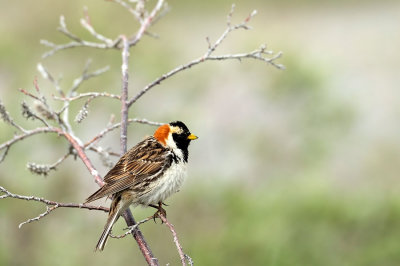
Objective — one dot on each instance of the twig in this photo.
(7, 118)
(42, 169)
(137, 234)
(28, 113)
(85, 76)
(257, 54)
(54, 204)
(117, 125)
(182, 255)
(46, 75)
(27, 133)
(86, 24)
(82, 155)
(131, 10)
(88, 94)
(124, 94)
(146, 23)
(131, 228)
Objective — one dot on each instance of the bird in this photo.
(147, 174)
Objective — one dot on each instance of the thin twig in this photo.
(117, 125)
(54, 204)
(27, 133)
(28, 113)
(88, 94)
(257, 54)
(182, 255)
(82, 155)
(46, 75)
(130, 9)
(5, 116)
(146, 23)
(85, 76)
(43, 169)
(131, 228)
(86, 24)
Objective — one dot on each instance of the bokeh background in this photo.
(294, 167)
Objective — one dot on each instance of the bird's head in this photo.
(174, 135)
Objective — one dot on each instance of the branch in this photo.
(258, 54)
(124, 94)
(130, 221)
(148, 21)
(27, 133)
(54, 205)
(182, 255)
(88, 94)
(85, 76)
(105, 43)
(78, 42)
(117, 125)
(82, 155)
(43, 169)
(131, 228)
(136, 14)
(5, 116)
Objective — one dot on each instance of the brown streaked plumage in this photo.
(147, 174)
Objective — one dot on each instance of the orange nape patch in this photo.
(162, 133)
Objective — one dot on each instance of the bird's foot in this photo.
(160, 211)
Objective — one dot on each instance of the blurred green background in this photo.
(294, 167)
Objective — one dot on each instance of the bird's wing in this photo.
(147, 159)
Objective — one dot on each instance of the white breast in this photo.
(166, 185)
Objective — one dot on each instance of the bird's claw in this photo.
(160, 211)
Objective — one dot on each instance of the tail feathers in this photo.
(97, 195)
(112, 218)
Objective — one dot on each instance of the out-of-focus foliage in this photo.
(294, 167)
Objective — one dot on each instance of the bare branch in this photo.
(40, 216)
(86, 24)
(132, 228)
(5, 116)
(254, 55)
(230, 14)
(83, 112)
(147, 22)
(117, 125)
(27, 133)
(85, 76)
(257, 54)
(3, 156)
(130, 9)
(124, 94)
(82, 155)
(105, 156)
(182, 255)
(28, 113)
(43, 169)
(46, 75)
(88, 94)
(69, 45)
(54, 205)
(63, 29)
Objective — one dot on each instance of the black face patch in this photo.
(181, 139)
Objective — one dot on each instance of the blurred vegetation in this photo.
(294, 167)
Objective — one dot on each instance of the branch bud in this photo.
(39, 169)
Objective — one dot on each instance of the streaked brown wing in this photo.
(148, 158)
(129, 180)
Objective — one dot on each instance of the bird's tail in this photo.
(115, 212)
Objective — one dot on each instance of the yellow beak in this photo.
(192, 137)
